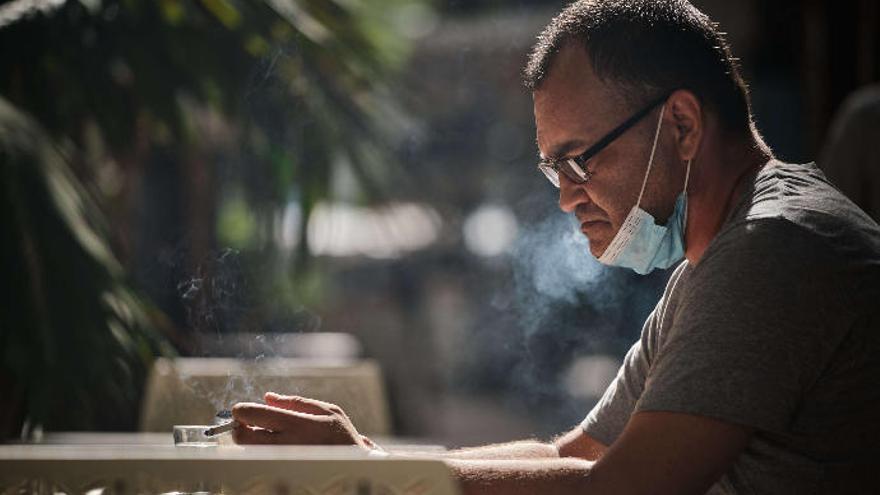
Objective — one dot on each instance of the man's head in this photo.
(597, 63)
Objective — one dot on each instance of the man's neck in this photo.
(718, 187)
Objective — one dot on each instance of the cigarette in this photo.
(225, 427)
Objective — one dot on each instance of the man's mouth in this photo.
(590, 225)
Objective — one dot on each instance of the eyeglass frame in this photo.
(578, 164)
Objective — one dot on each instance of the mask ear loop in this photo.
(651, 159)
(687, 175)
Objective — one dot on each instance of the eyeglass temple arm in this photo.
(611, 136)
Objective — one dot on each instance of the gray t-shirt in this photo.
(777, 328)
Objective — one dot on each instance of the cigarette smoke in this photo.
(561, 304)
(230, 315)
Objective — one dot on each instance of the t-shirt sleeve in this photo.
(606, 420)
(609, 416)
(752, 330)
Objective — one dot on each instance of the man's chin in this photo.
(597, 247)
(598, 236)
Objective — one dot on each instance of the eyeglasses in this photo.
(575, 168)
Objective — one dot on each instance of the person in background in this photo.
(851, 157)
(757, 372)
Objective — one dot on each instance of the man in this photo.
(758, 370)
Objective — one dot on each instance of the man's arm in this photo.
(669, 453)
(559, 476)
(300, 420)
(659, 453)
(575, 443)
(526, 467)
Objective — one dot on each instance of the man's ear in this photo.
(687, 114)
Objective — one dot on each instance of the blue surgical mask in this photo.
(641, 244)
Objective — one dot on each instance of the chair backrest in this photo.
(193, 390)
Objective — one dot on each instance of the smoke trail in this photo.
(552, 263)
(558, 286)
(217, 295)
(566, 304)
(232, 313)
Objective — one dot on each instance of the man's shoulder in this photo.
(792, 211)
(764, 242)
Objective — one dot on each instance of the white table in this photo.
(149, 463)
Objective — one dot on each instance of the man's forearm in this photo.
(512, 477)
(575, 443)
(524, 467)
(526, 449)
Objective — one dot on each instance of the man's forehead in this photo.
(571, 104)
(565, 125)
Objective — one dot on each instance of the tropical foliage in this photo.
(285, 91)
(76, 340)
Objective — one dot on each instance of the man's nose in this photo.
(570, 194)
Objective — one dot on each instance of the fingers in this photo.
(301, 404)
(271, 418)
(263, 424)
(244, 434)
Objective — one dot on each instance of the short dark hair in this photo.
(646, 48)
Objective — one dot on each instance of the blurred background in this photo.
(332, 180)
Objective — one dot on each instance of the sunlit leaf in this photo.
(224, 11)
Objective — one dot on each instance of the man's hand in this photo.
(289, 419)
